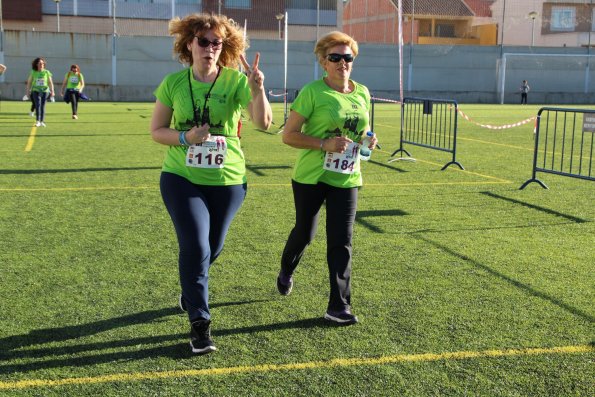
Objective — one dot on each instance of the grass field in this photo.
(464, 284)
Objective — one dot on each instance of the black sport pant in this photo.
(73, 98)
(341, 206)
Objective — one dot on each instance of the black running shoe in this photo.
(200, 337)
(284, 283)
(343, 317)
(182, 303)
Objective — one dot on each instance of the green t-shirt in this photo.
(329, 113)
(229, 94)
(40, 80)
(73, 80)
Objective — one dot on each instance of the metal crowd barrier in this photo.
(564, 144)
(429, 123)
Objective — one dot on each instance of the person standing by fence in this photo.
(327, 121)
(524, 91)
(203, 179)
(39, 85)
(74, 82)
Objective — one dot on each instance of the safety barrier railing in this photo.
(564, 144)
(429, 123)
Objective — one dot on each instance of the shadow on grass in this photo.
(68, 170)
(536, 207)
(524, 287)
(360, 215)
(15, 347)
(385, 165)
(256, 169)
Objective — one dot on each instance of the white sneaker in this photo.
(38, 124)
(74, 116)
(32, 114)
(43, 124)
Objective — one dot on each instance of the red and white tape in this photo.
(385, 100)
(497, 127)
(282, 94)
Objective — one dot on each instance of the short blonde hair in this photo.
(185, 29)
(332, 39)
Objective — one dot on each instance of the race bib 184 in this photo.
(343, 163)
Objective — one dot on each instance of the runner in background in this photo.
(40, 87)
(74, 82)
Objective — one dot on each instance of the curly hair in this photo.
(35, 63)
(332, 39)
(186, 28)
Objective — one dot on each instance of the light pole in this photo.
(1, 29)
(317, 29)
(1, 41)
(280, 18)
(58, 13)
(532, 15)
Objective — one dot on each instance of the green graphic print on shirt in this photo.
(329, 113)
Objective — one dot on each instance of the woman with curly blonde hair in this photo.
(203, 179)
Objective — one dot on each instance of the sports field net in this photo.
(471, 22)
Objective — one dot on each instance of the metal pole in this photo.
(502, 60)
(1, 23)
(317, 27)
(502, 29)
(410, 71)
(58, 14)
(280, 18)
(219, 9)
(114, 38)
(1, 41)
(588, 71)
(1, 30)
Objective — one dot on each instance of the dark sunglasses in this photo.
(204, 42)
(337, 57)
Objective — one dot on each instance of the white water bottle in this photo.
(364, 151)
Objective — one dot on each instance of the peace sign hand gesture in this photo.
(255, 76)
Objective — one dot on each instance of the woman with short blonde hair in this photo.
(327, 123)
(333, 39)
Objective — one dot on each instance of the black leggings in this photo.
(73, 98)
(341, 206)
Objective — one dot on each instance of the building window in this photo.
(563, 19)
(445, 30)
(244, 4)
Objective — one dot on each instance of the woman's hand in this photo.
(373, 142)
(337, 144)
(259, 107)
(198, 134)
(255, 76)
